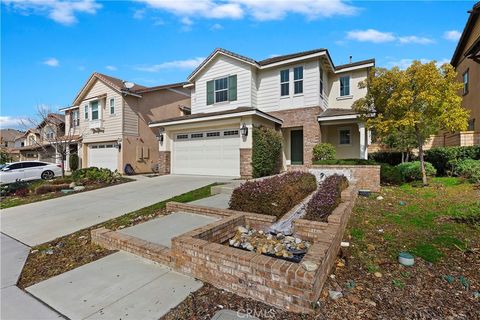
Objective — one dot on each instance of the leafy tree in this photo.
(400, 139)
(4, 157)
(423, 98)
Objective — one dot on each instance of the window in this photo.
(465, 82)
(196, 135)
(344, 86)
(112, 106)
(15, 166)
(33, 164)
(213, 134)
(344, 135)
(86, 112)
(298, 80)
(321, 82)
(284, 83)
(230, 133)
(182, 136)
(94, 106)
(75, 119)
(48, 133)
(31, 140)
(221, 90)
(471, 125)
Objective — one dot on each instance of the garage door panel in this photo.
(207, 156)
(103, 156)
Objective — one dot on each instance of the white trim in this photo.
(333, 118)
(344, 97)
(130, 93)
(360, 66)
(68, 108)
(293, 60)
(179, 92)
(206, 62)
(217, 117)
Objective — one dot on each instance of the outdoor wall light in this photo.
(160, 134)
(244, 130)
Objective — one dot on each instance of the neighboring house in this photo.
(8, 138)
(110, 117)
(303, 94)
(466, 60)
(41, 143)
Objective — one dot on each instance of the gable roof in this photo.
(273, 60)
(10, 134)
(162, 87)
(472, 19)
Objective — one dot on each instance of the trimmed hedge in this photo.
(324, 151)
(266, 151)
(391, 157)
(327, 198)
(47, 188)
(390, 174)
(468, 169)
(275, 195)
(345, 162)
(411, 171)
(94, 174)
(443, 158)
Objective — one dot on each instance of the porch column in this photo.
(67, 160)
(58, 156)
(363, 143)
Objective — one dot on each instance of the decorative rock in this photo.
(72, 185)
(34, 251)
(79, 188)
(344, 244)
(353, 299)
(334, 295)
(309, 265)
(406, 259)
(402, 203)
(377, 274)
(66, 191)
(476, 294)
(242, 229)
(49, 251)
(379, 198)
(249, 247)
(60, 245)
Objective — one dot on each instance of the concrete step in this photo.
(226, 188)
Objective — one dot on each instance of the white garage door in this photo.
(103, 155)
(207, 153)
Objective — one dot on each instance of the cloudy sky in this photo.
(50, 47)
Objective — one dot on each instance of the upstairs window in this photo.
(321, 82)
(471, 125)
(344, 86)
(298, 80)
(94, 107)
(284, 83)
(465, 82)
(86, 112)
(222, 89)
(48, 133)
(75, 119)
(112, 106)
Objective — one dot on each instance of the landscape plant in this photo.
(443, 158)
(411, 171)
(95, 175)
(327, 198)
(266, 151)
(73, 161)
(423, 99)
(324, 151)
(274, 195)
(468, 169)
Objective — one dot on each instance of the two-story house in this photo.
(110, 118)
(8, 143)
(304, 95)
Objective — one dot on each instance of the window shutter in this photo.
(232, 88)
(146, 152)
(210, 92)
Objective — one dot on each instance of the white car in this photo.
(29, 170)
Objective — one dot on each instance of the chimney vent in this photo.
(350, 59)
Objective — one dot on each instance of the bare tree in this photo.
(55, 136)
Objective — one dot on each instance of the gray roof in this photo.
(335, 112)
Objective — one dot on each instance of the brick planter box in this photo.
(202, 253)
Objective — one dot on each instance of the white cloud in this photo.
(216, 27)
(13, 122)
(261, 10)
(177, 64)
(60, 11)
(376, 36)
(139, 14)
(452, 35)
(370, 35)
(415, 39)
(405, 63)
(52, 62)
(111, 68)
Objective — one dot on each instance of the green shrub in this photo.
(444, 158)
(324, 151)
(469, 169)
(47, 188)
(326, 198)
(266, 151)
(94, 174)
(391, 157)
(411, 171)
(13, 187)
(73, 160)
(345, 162)
(390, 174)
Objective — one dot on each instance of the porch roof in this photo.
(198, 117)
(332, 114)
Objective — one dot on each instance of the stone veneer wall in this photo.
(246, 169)
(305, 118)
(164, 162)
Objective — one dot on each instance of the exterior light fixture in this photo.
(244, 130)
(160, 134)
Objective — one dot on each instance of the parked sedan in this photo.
(29, 170)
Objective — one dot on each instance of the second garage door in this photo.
(215, 152)
(103, 155)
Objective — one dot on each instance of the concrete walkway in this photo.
(220, 201)
(40, 222)
(15, 303)
(119, 286)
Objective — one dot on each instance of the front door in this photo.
(296, 146)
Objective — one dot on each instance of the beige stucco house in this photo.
(110, 116)
(305, 95)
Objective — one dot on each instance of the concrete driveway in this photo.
(40, 222)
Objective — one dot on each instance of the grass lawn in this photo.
(71, 251)
(439, 224)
